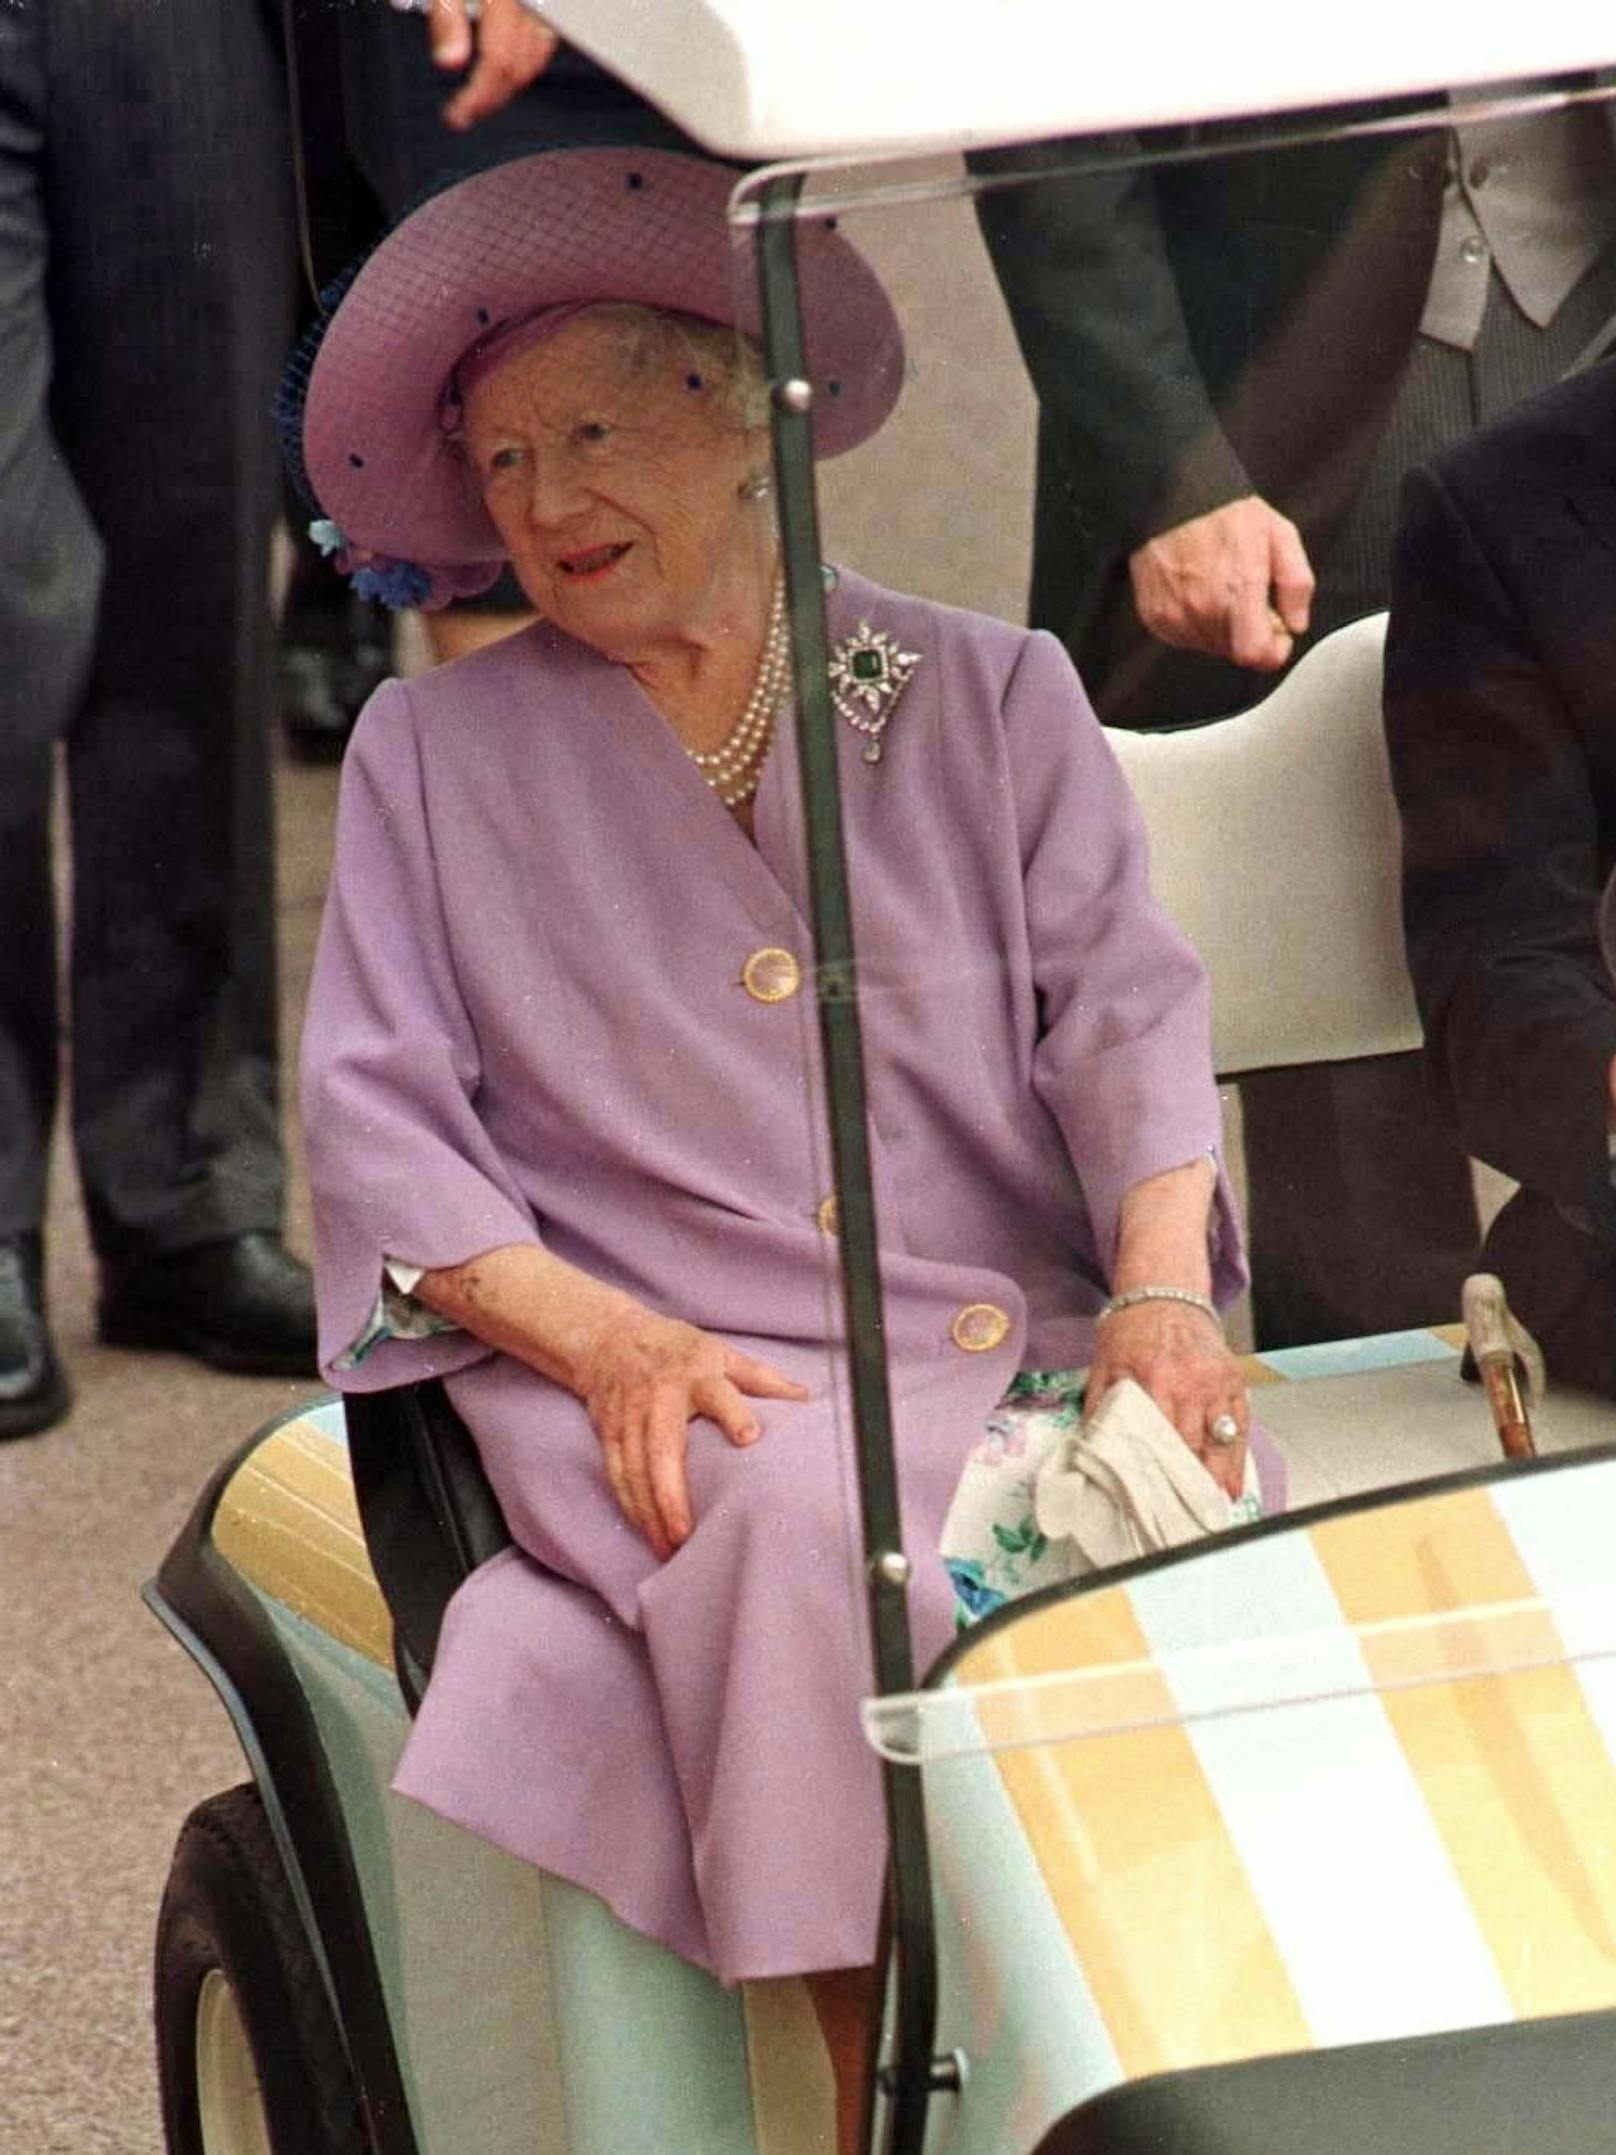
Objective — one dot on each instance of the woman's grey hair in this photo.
(726, 361)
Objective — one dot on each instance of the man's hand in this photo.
(1235, 584)
(506, 49)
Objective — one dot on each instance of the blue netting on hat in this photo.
(382, 578)
(292, 391)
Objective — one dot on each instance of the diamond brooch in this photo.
(868, 673)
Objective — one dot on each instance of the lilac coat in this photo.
(529, 1022)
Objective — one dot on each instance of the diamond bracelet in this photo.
(1134, 1295)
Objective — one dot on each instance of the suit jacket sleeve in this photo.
(1501, 875)
(1095, 305)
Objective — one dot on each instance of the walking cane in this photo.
(1505, 1353)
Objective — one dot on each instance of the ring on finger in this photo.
(1223, 1431)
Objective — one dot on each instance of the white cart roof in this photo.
(768, 79)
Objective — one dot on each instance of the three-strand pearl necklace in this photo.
(735, 766)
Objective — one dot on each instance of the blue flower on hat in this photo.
(397, 584)
(382, 577)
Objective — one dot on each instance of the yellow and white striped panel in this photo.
(288, 1522)
(1374, 1864)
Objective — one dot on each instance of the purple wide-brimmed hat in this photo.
(564, 228)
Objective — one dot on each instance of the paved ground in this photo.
(107, 1733)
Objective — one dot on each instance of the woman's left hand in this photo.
(1177, 1354)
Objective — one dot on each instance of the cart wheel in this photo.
(248, 2055)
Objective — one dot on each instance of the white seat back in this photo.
(1275, 847)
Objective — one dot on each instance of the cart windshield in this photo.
(1199, 404)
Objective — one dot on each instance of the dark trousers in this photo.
(146, 265)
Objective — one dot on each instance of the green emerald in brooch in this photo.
(868, 673)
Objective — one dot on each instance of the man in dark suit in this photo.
(1236, 357)
(146, 265)
(1501, 722)
(1219, 334)
(1254, 331)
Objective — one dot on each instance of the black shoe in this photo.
(329, 665)
(317, 720)
(245, 1305)
(33, 1391)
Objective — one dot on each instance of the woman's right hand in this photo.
(643, 1380)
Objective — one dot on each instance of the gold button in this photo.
(771, 976)
(980, 1327)
(826, 1213)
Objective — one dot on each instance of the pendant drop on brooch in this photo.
(868, 673)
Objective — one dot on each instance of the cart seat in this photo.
(1275, 846)
(428, 1512)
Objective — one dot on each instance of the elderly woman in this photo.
(560, 1061)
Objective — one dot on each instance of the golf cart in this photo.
(1373, 1889)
